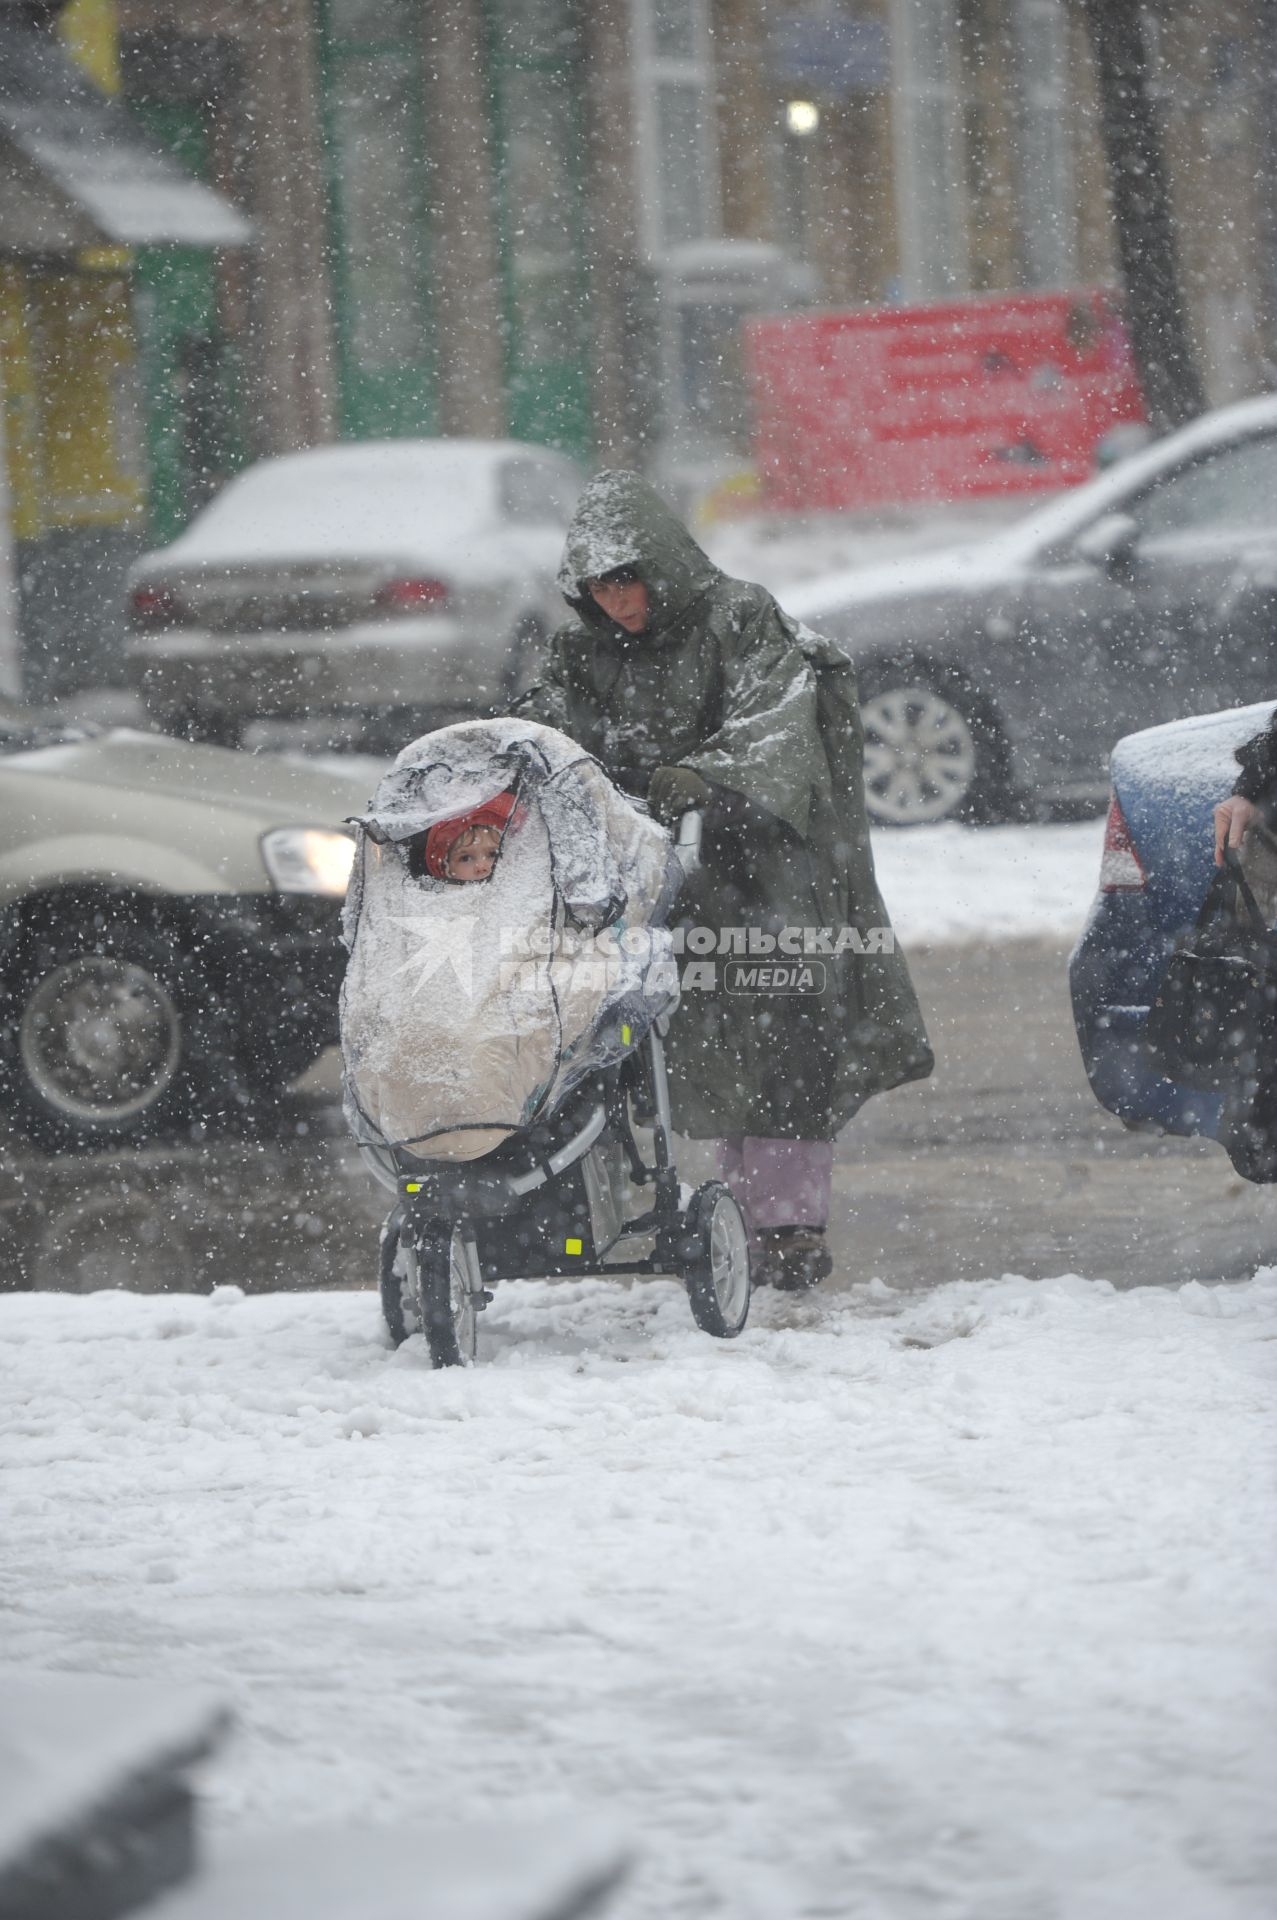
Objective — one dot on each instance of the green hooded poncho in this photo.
(723, 681)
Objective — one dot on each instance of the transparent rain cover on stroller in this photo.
(471, 1011)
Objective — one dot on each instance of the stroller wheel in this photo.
(450, 1292)
(400, 1305)
(716, 1265)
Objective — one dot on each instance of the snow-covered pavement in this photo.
(940, 1607)
(949, 883)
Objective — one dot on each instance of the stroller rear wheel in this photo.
(400, 1304)
(716, 1261)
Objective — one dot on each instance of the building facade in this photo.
(547, 218)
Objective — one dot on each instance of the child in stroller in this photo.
(499, 1035)
(465, 848)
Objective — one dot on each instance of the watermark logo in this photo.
(436, 948)
(739, 960)
(774, 976)
(658, 961)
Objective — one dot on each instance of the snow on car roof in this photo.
(386, 498)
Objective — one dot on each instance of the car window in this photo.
(1231, 491)
(539, 493)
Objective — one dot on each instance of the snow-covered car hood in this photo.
(267, 790)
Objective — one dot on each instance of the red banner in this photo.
(998, 394)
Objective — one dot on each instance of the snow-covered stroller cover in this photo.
(469, 1012)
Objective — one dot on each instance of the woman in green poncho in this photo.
(695, 690)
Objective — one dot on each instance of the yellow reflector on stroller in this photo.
(572, 1246)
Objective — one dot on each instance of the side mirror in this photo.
(1109, 542)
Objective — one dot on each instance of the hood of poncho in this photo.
(621, 521)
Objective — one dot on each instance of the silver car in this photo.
(1001, 674)
(168, 926)
(369, 582)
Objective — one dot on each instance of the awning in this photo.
(81, 170)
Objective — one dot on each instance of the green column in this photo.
(372, 99)
(535, 83)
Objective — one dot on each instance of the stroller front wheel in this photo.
(449, 1292)
(716, 1267)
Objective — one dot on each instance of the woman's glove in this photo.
(676, 790)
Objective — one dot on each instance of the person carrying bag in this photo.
(1213, 1022)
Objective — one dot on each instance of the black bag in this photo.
(1214, 1018)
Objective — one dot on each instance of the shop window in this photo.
(674, 108)
(675, 30)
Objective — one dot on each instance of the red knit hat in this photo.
(501, 813)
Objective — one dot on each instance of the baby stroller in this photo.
(502, 1041)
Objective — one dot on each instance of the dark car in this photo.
(168, 925)
(1157, 864)
(1005, 670)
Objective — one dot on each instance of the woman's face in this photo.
(623, 600)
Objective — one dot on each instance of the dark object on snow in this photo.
(95, 1808)
(1214, 1018)
(765, 711)
(96, 1822)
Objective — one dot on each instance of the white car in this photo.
(383, 582)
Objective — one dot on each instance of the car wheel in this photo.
(97, 1048)
(933, 748)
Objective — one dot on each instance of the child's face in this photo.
(473, 854)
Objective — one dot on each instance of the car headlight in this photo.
(308, 859)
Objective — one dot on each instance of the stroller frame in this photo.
(554, 1201)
